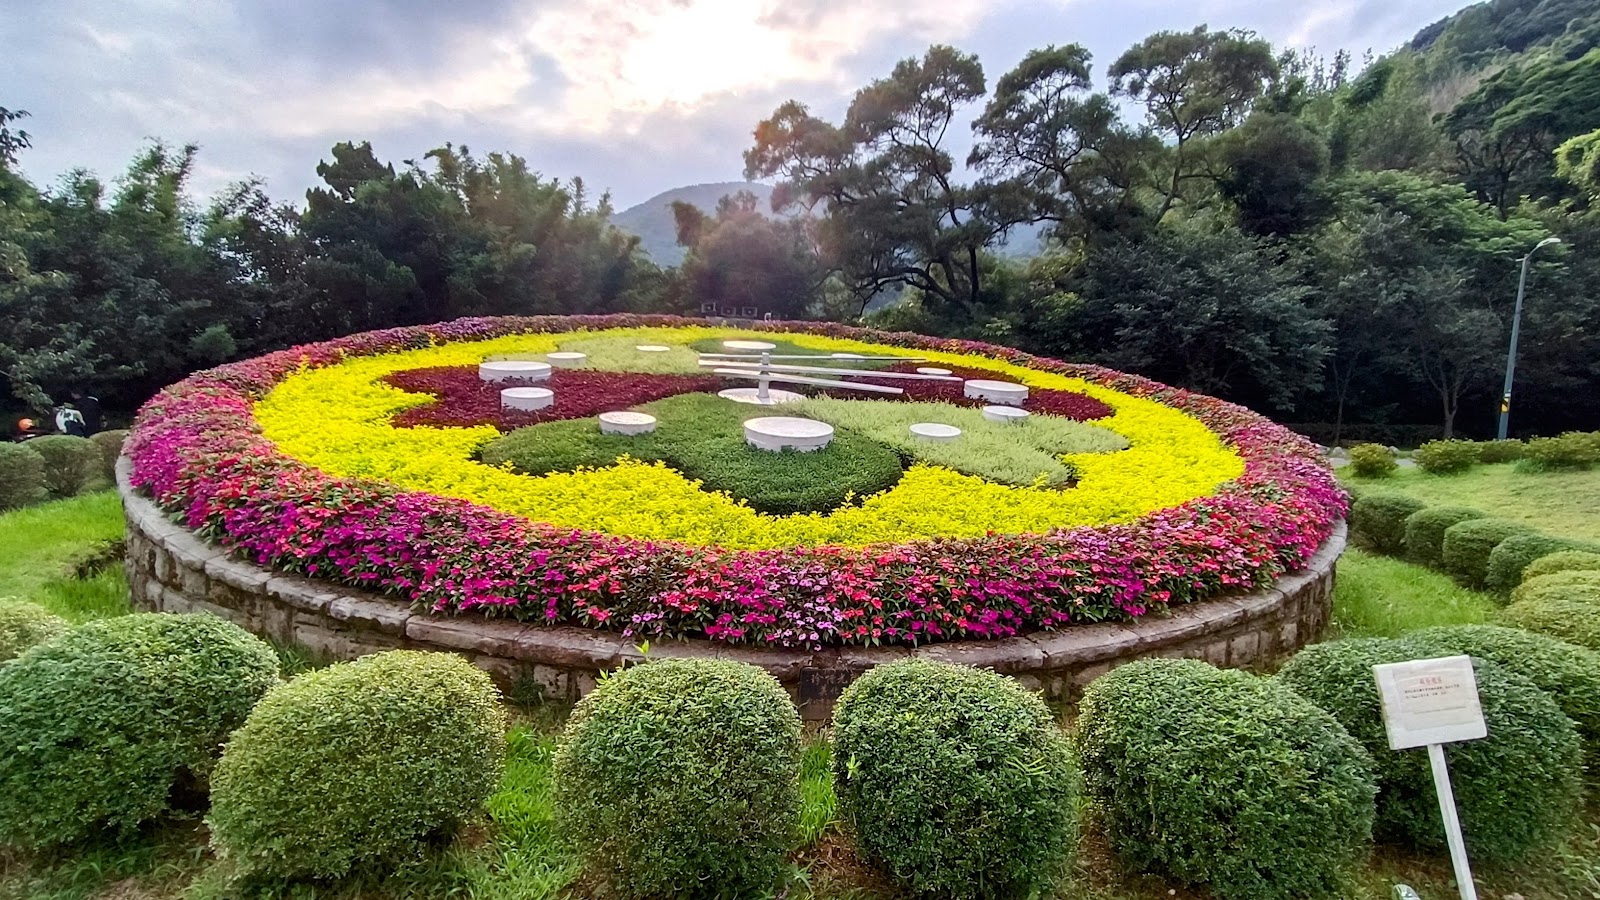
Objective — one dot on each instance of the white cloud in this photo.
(625, 59)
(638, 95)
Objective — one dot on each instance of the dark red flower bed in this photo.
(465, 399)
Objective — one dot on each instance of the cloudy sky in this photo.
(634, 95)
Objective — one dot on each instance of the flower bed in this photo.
(1209, 499)
(464, 399)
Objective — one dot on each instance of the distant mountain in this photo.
(658, 232)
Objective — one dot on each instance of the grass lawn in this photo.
(516, 855)
(1379, 596)
(38, 544)
(1558, 503)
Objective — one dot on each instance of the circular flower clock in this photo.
(796, 485)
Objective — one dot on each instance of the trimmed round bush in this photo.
(1425, 532)
(1501, 451)
(104, 724)
(109, 444)
(1567, 672)
(1372, 461)
(1379, 520)
(69, 462)
(21, 476)
(1562, 561)
(24, 625)
(1446, 457)
(680, 778)
(1512, 556)
(1564, 605)
(1467, 546)
(1225, 780)
(1516, 790)
(955, 782)
(355, 765)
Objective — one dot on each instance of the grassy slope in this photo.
(518, 856)
(1558, 503)
(1379, 596)
(36, 545)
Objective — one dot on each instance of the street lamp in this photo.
(1516, 322)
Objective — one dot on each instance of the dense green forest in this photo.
(1333, 242)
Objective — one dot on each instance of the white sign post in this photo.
(1432, 702)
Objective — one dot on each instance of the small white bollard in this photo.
(513, 369)
(933, 431)
(932, 370)
(652, 348)
(566, 359)
(1002, 392)
(1007, 415)
(748, 346)
(526, 399)
(787, 433)
(627, 423)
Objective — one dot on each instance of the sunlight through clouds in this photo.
(645, 55)
(635, 95)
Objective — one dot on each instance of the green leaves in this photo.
(681, 778)
(102, 723)
(1516, 790)
(1222, 779)
(955, 781)
(400, 746)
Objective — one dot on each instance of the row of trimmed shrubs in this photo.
(680, 778)
(955, 782)
(56, 466)
(1574, 450)
(1552, 584)
(117, 723)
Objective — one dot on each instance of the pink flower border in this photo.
(198, 451)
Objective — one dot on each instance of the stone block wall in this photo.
(171, 570)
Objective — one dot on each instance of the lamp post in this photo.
(1516, 324)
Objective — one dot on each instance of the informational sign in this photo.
(1433, 702)
(1430, 701)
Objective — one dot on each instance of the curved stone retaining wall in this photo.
(171, 570)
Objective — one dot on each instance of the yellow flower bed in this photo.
(337, 419)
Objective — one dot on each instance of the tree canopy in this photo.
(1333, 241)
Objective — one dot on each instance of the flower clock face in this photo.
(387, 461)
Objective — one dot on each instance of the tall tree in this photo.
(1060, 150)
(1193, 85)
(740, 258)
(1438, 269)
(1507, 129)
(12, 141)
(1384, 120)
(1208, 307)
(891, 209)
(115, 292)
(457, 235)
(1272, 170)
(1578, 161)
